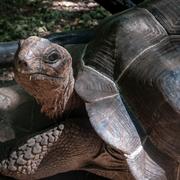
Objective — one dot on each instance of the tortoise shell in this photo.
(137, 54)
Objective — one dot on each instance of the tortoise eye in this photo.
(53, 58)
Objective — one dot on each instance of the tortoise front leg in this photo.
(65, 147)
(42, 151)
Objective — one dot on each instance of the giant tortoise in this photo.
(126, 84)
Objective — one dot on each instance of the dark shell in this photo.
(139, 50)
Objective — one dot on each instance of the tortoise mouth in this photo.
(43, 76)
(37, 76)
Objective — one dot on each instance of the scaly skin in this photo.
(45, 71)
(76, 146)
(72, 146)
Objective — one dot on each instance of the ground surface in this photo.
(23, 18)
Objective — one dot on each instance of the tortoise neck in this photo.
(60, 98)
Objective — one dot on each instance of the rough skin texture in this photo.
(48, 67)
(139, 50)
(44, 69)
(72, 145)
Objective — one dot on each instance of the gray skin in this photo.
(139, 51)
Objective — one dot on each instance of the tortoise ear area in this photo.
(92, 86)
(169, 85)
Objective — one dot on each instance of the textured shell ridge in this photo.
(127, 84)
(144, 65)
(111, 120)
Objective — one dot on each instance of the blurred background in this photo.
(23, 18)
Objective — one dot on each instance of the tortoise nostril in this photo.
(22, 64)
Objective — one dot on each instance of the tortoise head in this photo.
(44, 69)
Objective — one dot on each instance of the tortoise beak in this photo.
(19, 63)
(24, 59)
(20, 43)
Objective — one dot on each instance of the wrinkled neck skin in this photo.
(56, 95)
(76, 146)
(57, 98)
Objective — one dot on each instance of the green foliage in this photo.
(23, 18)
